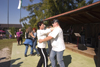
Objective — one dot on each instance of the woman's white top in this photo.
(41, 34)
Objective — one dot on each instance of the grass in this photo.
(7, 43)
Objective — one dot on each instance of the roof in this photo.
(85, 14)
(10, 25)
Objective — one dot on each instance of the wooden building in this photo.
(6, 26)
(87, 16)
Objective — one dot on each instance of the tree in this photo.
(48, 8)
(34, 14)
(12, 30)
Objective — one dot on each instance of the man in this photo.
(70, 30)
(57, 42)
(82, 33)
(19, 36)
(21, 33)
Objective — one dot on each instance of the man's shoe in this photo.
(38, 54)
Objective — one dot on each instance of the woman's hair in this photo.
(29, 29)
(39, 24)
(34, 29)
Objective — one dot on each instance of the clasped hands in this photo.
(40, 40)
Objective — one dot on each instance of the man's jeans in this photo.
(59, 58)
(34, 46)
(27, 49)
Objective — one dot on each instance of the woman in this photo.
(29, 41)
(35, 41)
(41, 34)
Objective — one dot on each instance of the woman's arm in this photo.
(32, 34)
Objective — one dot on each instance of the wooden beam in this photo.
(92, 15)
(86, 18)
(76, 20)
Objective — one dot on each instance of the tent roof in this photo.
(85, 14)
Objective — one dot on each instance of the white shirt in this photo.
(57, 42)
(25, 35)
(41, 34)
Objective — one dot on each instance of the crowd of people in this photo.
(51, 36)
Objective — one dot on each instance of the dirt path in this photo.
(5, 57)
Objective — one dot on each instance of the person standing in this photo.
(10, 36)
(20, 38)
(28, 41)
(35, 41)
(41, 34)
(82, 33)
(70, 31)
(57, 42)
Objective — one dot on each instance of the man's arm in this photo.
(46, 31)
(45, 39)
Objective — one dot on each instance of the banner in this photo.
(20, 4)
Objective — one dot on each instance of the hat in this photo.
(55, 20)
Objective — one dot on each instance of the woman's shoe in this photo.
(32, 54)
(25, 55)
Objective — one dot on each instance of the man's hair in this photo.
(55, 20)
(20, 29)
(39, 24)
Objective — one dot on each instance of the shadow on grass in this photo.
(2, 58)
(7, 63)
(67, 60)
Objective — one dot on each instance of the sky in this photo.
(14, 13)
